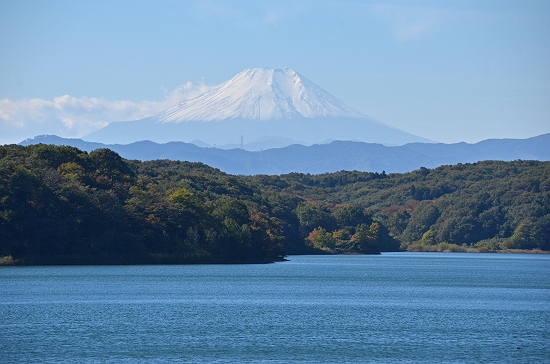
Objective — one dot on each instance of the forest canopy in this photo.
(61, 205)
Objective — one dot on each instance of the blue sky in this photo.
(449, 71)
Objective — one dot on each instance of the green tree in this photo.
(365, 239)
(422, 218)
(321, 239)
(311, 216)
(523, 237)
(350, 216)
(428, 238)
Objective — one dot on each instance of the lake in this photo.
(389, 308)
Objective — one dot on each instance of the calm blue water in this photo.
(392, 308)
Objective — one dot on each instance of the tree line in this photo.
(484, 206)
(61, 205)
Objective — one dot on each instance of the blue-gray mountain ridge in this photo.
(324, 158)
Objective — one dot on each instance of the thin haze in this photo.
(449, 71)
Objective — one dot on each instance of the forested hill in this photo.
(485, 206)
(61, 205)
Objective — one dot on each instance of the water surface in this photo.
(391, 308)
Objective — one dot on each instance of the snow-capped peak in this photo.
(261, 94)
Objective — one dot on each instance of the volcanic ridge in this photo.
(266, 107)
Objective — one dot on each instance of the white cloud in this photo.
(251, 16)
(409, 22)
(70, 116)
(272, 17)
(275, 15)
(206, 9)
(409, 30)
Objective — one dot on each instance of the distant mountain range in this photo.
(322, 158)
(265, 107)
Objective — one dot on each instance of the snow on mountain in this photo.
(260, 107)
(261, 94)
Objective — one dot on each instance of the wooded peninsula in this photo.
(61, 205)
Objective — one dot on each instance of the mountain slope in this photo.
(261, 94)
(257, 104)
(335, 156)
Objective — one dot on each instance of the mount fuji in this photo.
(265, 107)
